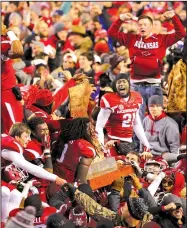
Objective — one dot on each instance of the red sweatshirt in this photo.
(147, 54)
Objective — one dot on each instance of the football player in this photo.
(120, 109)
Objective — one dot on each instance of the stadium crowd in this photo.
(91, 89)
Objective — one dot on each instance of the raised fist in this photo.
(127, 16)
(169, 14)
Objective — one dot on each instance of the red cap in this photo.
(101, 48)
(44, 97)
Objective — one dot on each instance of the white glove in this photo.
(49, 50)
(38, 61)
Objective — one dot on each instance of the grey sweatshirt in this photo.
(162, 135)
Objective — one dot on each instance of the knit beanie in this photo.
(59, 221)
(101, 47)
(78, 216)
(137, 207)
(171, 198)
(155, 100)
(58, 27)
(23, 219)
(34, 201)
(115, 60)
(120, 76)
(44, 97)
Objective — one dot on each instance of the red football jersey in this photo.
(123, 114)
(11, 144)
(8, 79)
(40, 221)
(70, 157)
(33, 150)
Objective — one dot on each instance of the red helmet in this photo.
(13, 173)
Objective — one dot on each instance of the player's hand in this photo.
(170, 206)
(146, 155)
(169, 14)
(67, 74)
(60, 181)
(135, 181)
(80, 77)
(126, 16)
(110, 144)
(46, 141)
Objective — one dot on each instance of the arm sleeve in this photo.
(170, 39)
(35, 170)
(114, 32)
(139, 131)
(102, 119)
(82, 169)
(92, 207)
(62, 95)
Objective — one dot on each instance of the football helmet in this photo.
(13, 174)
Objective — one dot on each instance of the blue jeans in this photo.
(146, 92)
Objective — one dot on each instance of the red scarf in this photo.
(156, 119)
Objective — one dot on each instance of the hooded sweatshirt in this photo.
(162, 134)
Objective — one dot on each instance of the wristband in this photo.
(12, 36)
(47, 156)
(163, 208)
(47, 151)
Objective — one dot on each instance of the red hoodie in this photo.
(147, 54)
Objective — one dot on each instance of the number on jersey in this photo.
(128, 119)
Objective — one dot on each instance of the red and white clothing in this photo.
(33, 150)
(39, 221)
(122, 116)
(67, 164)
(12, 151)
(59, 98)
(147, 53)
(12, 110)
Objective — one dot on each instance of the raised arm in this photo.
(179, 33)
(114, 32)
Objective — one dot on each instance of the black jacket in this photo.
(167, 221)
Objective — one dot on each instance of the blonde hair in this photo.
(18, 128)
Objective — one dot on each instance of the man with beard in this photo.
(120, 109)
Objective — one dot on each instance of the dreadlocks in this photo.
(76, 129)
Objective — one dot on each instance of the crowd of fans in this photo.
(84, 82)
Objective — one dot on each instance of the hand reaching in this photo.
(80, 77)
(146, 155)
(60, 181)
(110, 144)
(136, 181)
